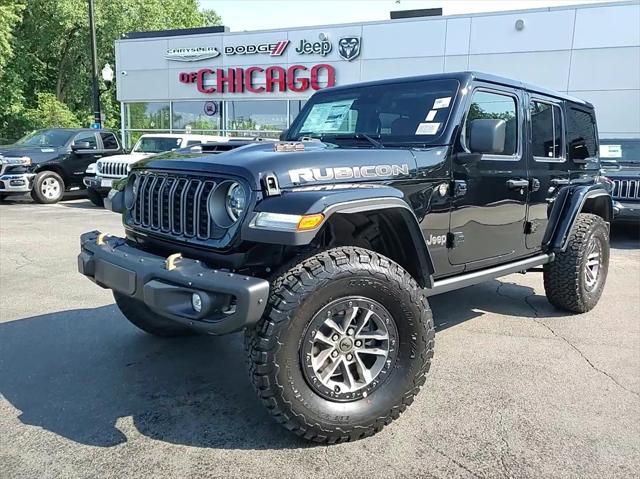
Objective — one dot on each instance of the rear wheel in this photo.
(95, 197)
(343, 347)
(575, 279)
(48, 187)
(144, 318)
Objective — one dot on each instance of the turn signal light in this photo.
(309, 222)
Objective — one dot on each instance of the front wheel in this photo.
(575, 279)
(343, 347)
(48, 187)
(95, 197)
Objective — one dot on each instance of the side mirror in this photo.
(81, 145)
(487, 136)
(283, 135)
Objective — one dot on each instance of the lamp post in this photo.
(97, 119)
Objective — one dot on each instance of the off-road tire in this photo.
(95, 197)
(36, 192)
(564, 278)
(273, 347)
(145, 319)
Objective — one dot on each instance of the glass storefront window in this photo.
(244, 117)
(147, 116)
(196, 116)
(294, 108)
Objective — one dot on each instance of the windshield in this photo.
(620, 151)
(413, 112)
(156, 144)
(46, 138)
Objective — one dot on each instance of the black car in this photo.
(49, 162)
(620, 160)
(325, 247)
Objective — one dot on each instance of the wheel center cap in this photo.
(345, 345)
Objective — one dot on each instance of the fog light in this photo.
(196, 302)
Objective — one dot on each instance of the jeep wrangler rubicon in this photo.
(324, 247)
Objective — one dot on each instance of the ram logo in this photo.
(306, 175)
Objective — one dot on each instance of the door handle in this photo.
(517, 184)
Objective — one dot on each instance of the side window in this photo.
(193, 142)
(109, 141)
(581, 134)
(546, 130)
(89, 137)
(495, 106)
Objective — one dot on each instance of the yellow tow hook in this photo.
(170, 262)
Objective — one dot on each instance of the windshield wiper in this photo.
(375, 143)
(356, 136)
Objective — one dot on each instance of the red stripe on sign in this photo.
(279, 49)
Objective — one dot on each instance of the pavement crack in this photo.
(455, 461)
(537, 319)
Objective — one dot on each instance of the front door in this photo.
(490, 190)
(546, 157)
(78, 161)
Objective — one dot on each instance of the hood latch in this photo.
(270, 185)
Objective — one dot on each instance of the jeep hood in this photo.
(36, 153)
(319, 163)
(128, 158)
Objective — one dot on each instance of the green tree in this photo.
(49, 42)
(49, 112)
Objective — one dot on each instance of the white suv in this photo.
(112, 168)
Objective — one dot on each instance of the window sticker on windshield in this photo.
(431, 115)
(427, 128)
(441, 102)
(610, 151)
(327, 117)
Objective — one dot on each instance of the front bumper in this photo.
(102, 185)
(230, 302)
(20, 183)
(626, 212)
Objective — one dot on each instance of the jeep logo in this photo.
(347, 172)
(439, 240)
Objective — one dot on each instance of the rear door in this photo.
(77, 162)
(487, 222)
(546, 161)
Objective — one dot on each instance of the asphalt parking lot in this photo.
(517, 388)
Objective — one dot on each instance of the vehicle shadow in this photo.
(625, 236)
(76, 373)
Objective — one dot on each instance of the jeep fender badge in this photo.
(305, 175)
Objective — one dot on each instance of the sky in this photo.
(241, 15)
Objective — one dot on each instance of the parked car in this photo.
(50, 162)
(116, 167)
(325, 247)
(620, 160)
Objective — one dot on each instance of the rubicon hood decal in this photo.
(306, 175)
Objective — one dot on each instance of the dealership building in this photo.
(215, 81)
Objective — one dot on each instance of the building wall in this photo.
(589, 51)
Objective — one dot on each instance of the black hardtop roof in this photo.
(468, 76)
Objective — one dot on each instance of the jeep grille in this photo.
(626, 189)
(175, 205)
(114, 169)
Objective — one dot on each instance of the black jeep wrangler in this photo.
(325, 246)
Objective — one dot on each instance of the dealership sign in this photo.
(191, 54)
(274, 79)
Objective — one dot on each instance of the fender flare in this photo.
(387, 199)
(571, 201)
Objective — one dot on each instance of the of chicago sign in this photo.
(274, 79)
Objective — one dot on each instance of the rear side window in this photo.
(546, 130)
(109, 141)
(489, 105)
(581, 134)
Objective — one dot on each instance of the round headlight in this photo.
(236, 201)
(130, 192)
(99, 167)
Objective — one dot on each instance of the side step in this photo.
(475, 277)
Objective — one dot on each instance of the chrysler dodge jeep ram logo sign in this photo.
(296, 78)
(191, 54)
(349, 47)
(274, 49)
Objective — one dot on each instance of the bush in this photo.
(50, 113)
